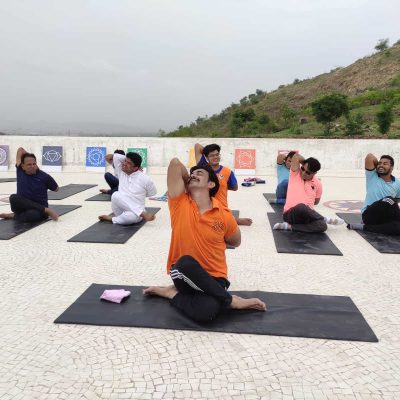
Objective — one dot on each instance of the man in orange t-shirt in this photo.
(201, 229)
(210, 154)
(304, 191)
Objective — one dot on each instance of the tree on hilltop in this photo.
(383, 44)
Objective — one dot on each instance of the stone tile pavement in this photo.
(41, 275)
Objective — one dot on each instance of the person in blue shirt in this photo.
(380, 213)
(30, 203)
(282, 170)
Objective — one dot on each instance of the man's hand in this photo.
(109, 158)
(177, 178)
(198, 152)
(371, 162)
(297, 159)
(20, 152)
(280, 158)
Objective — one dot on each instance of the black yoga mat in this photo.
(301, 243)
(67, 191)
(10, 228)
(4, 180)
(295, 315)
(107, 232)
(100, 197)
(383, 243)
(278, 208)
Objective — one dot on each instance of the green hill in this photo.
(368, 83)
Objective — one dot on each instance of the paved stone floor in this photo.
(42, 274)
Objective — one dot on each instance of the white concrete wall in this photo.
(336, 156)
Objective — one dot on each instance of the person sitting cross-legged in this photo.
(282, 170)
(30, 203)
(201, 228)
(128, 203)
(304, 191)
(111, 179)
(380, 213)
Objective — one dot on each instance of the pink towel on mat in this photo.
(115, 295)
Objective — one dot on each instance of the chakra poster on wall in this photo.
(96, 159)
(4, 157)
(245, 161)
(143, 153)
(52, 158)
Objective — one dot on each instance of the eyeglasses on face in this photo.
(306, 171)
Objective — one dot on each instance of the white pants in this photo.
(122, 210)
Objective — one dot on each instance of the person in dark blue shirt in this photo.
(111, 179)
(30, 203)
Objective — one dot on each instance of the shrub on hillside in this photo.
(328, 108)
(289, 115)
(296, 130)
(354, 124)
(385, 117)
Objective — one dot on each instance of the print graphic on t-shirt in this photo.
(218, 226)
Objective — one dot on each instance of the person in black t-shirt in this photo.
(30, 203)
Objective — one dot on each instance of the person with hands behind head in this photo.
(380, 213)
(304, 192)
(201, 228)
(128, 203)
(30, 203)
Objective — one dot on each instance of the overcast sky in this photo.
(155, 65)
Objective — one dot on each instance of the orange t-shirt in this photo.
(200, 236)
(301, 191)
(223, 177)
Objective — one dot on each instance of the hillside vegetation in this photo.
(368, 86)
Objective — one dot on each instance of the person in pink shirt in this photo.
(304, 191)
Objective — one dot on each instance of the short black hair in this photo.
(313, 164)
(390, 158)
(27, 155)
(290, 154)
(135, 158)
(118, 151)
(212, 176)
(211, 147)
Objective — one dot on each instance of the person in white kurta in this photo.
(128, 203)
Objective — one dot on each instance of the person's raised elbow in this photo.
(235, 239)
(174, 161)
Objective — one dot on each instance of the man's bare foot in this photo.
(244, 221)
(239, 303)
(163, 291)
(51, 213)
(105, 218)
(147, 216)
(105, 191)
(7, 215)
